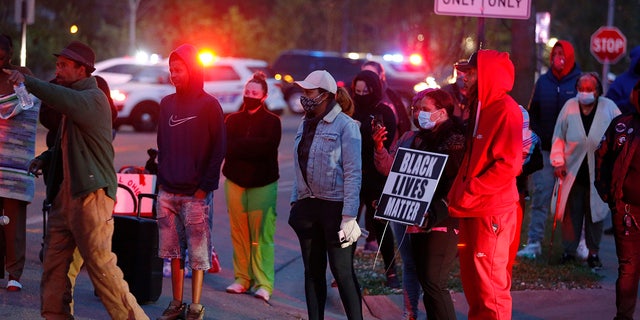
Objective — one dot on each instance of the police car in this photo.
(121, 70)
(138, 99)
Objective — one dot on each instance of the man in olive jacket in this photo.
(83, 201)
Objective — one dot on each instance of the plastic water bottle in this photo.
(23, 95)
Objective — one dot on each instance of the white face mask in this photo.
(424, 119)
(586, 97)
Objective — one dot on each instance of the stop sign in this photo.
(608, 44)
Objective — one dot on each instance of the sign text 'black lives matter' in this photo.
(410, 186)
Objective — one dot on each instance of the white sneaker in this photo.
(14, 285)
(262, 294)
(236, 288)
(531, 251)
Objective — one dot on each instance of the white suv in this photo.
(138, 99)
(121, 70)
(226, 77)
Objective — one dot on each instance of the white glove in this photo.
(349, 231)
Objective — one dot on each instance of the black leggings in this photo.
(434, 254)
(317, 222)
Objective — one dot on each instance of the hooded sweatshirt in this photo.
(191, 133)
(367, 108)
(486, 182)
(551, 92)
(621, 88)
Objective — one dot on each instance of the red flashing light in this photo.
(206, 57)
(415, 59)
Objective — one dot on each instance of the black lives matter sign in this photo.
(410, 186)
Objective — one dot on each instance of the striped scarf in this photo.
(529, 138)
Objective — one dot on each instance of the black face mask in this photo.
(365, 100)
(309, 104)
(252, 103)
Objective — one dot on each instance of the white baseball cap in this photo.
(319, 79)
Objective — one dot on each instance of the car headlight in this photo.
(429, 82)
(118, 96)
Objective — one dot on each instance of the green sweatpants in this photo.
(252, 219)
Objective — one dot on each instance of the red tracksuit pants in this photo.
(484, 260)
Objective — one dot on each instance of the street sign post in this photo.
(24, 15)
(608, 44)
(506, 9)
(25, 11)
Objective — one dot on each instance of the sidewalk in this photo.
(584, 304)
(288, 301)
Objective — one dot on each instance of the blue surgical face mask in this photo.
(586, 97)
(424, 119)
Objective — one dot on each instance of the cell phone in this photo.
(376, 123)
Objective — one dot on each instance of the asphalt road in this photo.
(131, 149)
(288, 299)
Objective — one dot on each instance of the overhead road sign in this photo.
(505, 9)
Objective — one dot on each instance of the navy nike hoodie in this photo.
(191, 133)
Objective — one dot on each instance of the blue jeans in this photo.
(317, 222)
(542, 182)
(411, 286)
(184, 223)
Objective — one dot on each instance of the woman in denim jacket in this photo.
(325, 196)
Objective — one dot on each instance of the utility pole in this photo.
(605, 65)
(344, 44)
(133, 9)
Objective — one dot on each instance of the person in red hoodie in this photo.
(484, 194)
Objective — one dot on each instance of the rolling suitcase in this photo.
(135, 243)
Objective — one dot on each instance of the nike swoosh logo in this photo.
(176, 122)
